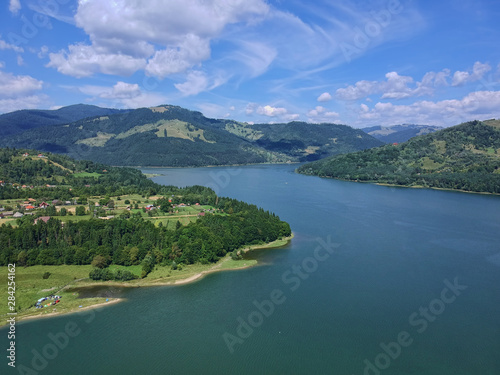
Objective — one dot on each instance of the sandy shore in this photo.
(72, 311)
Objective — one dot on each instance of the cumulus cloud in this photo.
(193, 50)
(18, 92)
(128, 35)
(476, 105)
(14, 6)
(478, 71)
(124, 95)
(12, 86)
(83, 61)
(271, 111)
(4, 45)
(394, 87)
(325, 97)
(321, 114)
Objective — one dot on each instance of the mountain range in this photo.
(173, 136)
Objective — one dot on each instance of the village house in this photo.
(42, 218)
(17, 215)
(43, 205)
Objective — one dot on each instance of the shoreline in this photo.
(69, 312)
(157, 282)
(402, 186)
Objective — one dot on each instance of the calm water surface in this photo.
(395, 250)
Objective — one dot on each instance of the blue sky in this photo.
(359, 63)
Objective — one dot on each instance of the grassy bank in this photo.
(30, 284)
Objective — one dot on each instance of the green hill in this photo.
(464, 157)
(20, 121)
(174, 136)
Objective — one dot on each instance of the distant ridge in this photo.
(399, 133)
(19, 121)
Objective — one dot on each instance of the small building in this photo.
(17, 215)
(43, 205)
(26, 154)
(42, 218)
(30, 207)
(7, 213)
(31, 200)
(201, 214)
(41, 156)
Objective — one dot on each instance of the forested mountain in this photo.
(399, 133)
(20, 121)
(465, 157)
(304, 141)
(174, 136)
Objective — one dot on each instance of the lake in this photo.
(378, 280)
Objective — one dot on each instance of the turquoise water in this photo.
(376, 265)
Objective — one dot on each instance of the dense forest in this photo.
(464, 157)
(127, 239)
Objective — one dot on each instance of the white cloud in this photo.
(26, 102)
(478, 71)
(321, 114)
(192, 51)
(44, 50)
(325, 97)
(123, 95)
(395, 86)
(12, 86)
(476, 105)
(84, 61)
(292, 117)
(196, 82)
(20, 60)
(130, 35)
(251, 108)
(15, 6)
(19, 92)
(271, 111)
(5, 45)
